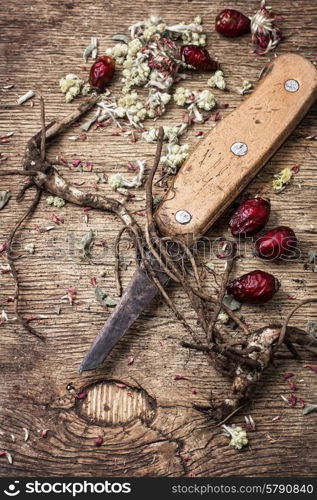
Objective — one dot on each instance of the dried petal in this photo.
(121, 386)
(99, 440)
(180, 377)
(81, 395)
(292, 401)
(8, 456)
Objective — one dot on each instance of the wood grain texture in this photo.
(40, 42)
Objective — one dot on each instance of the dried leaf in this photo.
(312, 259)
(309, 409)
(4, 198)
(101, 178)
(121, 38)
(312, 329)
(91, 49)
(232, 303)
(210, 266)
(103, 298)
(86, 243)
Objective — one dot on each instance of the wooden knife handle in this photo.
(233, 152)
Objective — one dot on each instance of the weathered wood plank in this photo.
(40, 43)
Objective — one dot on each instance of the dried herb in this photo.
(103, 298)
(4, 198)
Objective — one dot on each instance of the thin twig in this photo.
(13, 270)
(288, 317)
(149, 183)
(43, 131)
(117, 257)
(29, 173)
(222, 291)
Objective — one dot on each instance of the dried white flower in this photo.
(56, 201)
(246, 87)
(223, 317)
(118, 181)
(71, 85)
(238, 436)
(203, 100)
(175, 156)
(30, 247)
(172, 133)
(217, 80)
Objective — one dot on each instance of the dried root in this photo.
(260, 353)
(157, 255)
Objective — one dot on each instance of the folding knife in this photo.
(218, 169)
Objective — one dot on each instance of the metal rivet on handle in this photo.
(291, 85)
(239, 148)
(183, 217)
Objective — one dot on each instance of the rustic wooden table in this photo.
(153, 431)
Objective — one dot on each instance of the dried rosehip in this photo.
(250, 216)
(256, 287)
(231, 23)
(199, 58)
(101, 72)
(277, 244)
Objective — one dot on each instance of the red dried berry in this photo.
(256, 287)
(277, 244)
(250, 216)
(199, 58)
(101, 72)
(231, 23)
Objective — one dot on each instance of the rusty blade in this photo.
(137, 296)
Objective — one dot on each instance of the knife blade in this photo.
(218, 169)
(137, 296)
